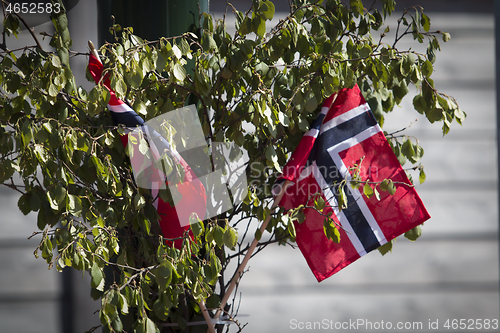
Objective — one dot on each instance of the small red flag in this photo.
(173, 220)
(344, 134)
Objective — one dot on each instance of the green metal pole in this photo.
(497, 68)
(151, 19)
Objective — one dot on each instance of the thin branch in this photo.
(138, 270)
(31, 30)
(14, 186)
(401, 130)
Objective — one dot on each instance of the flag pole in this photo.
(201, 304)
(93, 51)
(241, 267)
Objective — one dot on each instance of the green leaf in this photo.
(48, 127)
(272, 156)
(400, 91)
(117, 324)
(119, 87)
(150, 326)
(368, 191)
(139, 201)
(391, 188)
(303, 124)
(219, 236)
(291, 229)
(425, 21)
(365, 51)
(258, 234)
(384, 186)
(230, 238)
(135, 77)
(427, 68)
(208, 43)
(419, 153)
(53, 90)
(56, 61)
(143, 146)
(431, 53)
(259, 26)
(101, 170)
(319, 203)
(226, 73)
(407, 149)
(184, 46)
(262, 68)
(179, 72)
(100, 221)
(123, 304)
(414, 233)
(401, 157)
(267, 10)
(215, 266)
(26, 133)
(159, 309)
(341, 198)
(24, 204)
(160, 62)
(177, 52)
(330, 230)
(377, 194)
(97, 278)
(311, 103)
(56, 196)
(245, 27)
(115, 245)
(356, 7)
(197, 227)
(421, 176)
(386, 248)
(419, 104)
(460, 115)
(165, 273)
(41, 135)
(35, 202)
(74, 205)
(140, 107)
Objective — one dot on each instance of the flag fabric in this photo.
(345, 134)
(191, 189)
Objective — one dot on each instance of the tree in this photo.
(61, 150)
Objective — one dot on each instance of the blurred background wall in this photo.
(451, 272)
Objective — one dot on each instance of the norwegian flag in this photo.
(174, 221)
(344, 134)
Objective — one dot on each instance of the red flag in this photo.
(172, 219)
(344, 134)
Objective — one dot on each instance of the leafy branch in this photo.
(258, 89)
